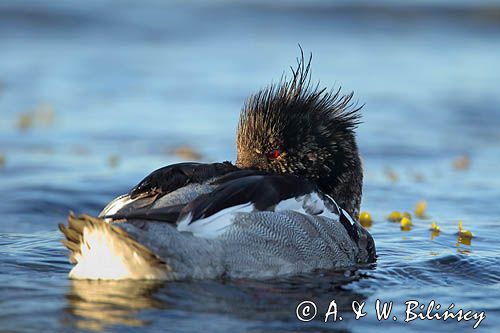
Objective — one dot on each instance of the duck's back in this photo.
(224, 222)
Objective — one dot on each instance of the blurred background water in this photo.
(94, 95)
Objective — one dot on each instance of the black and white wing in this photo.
(212, 196)
(169, 188)
(249, 191)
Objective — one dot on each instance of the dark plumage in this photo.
(297, 128)
(263, 191)
(172, 177)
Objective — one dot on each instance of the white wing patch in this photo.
(349, 218)
(309, 204)
(214, 225)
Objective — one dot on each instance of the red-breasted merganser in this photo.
(289, 205)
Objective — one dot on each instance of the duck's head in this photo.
(295, 128)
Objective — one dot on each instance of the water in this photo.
(109, 89)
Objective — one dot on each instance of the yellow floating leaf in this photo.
(420, 209)
(187, 153)
(44, 114)
(466, 233)
(407, 215)
(435, 227)
(391, 175)
(365, 219)
(435, 230)
(464, 240)
(461, 162)
(25, 121)
(462, 232)
(419, 177)
(405, 224)
(113, 161)
(395, 216)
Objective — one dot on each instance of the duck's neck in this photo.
(345, 183)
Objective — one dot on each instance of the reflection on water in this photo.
(100, 304)
(463, 241)
(434, 234)
(97, 305)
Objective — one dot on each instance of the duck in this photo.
(289, 204)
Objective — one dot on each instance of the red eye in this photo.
(273, 154)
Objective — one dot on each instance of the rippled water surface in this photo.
(95, 95)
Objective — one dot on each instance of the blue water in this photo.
(95, 95)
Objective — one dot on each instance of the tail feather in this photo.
(101, 250)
